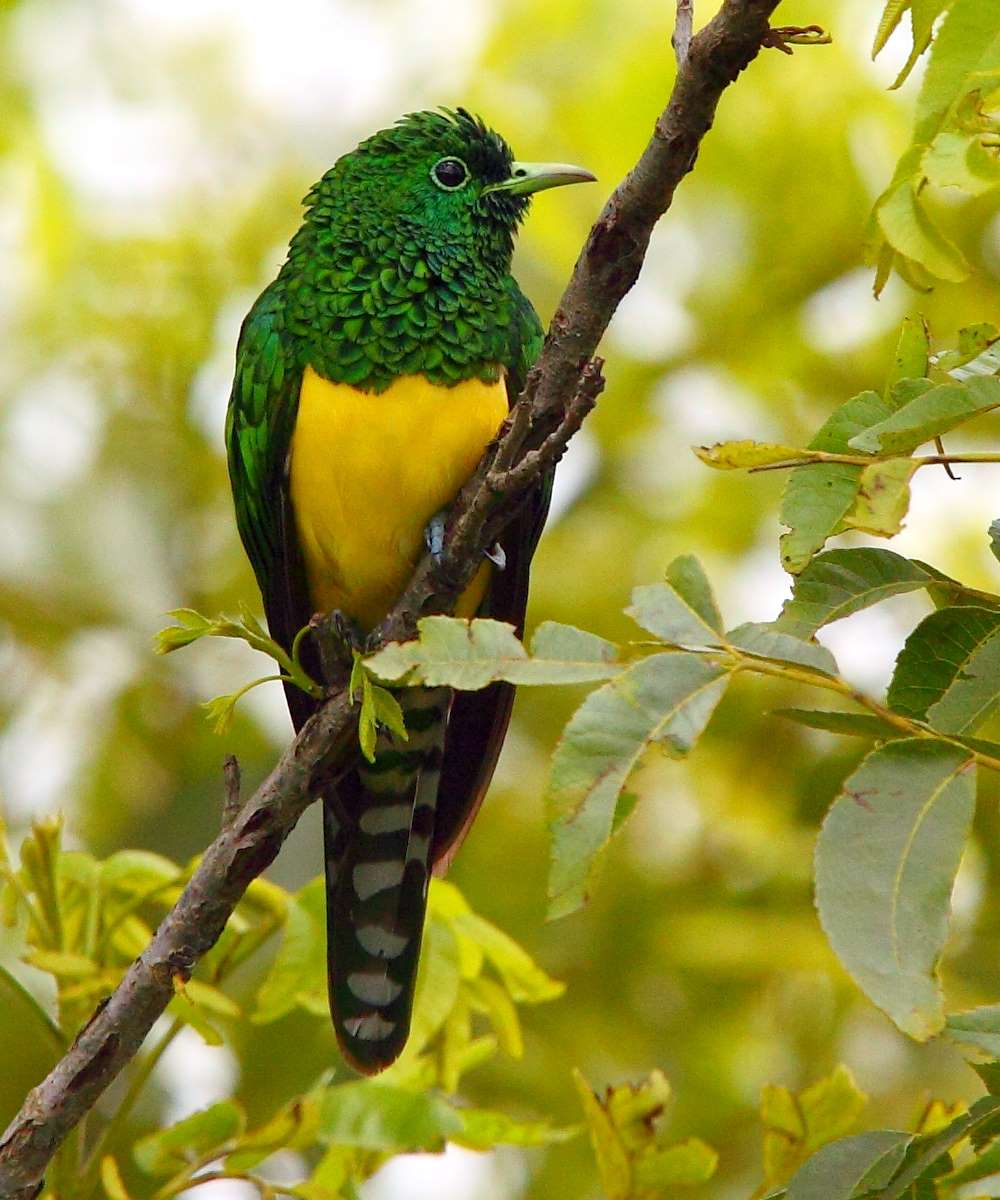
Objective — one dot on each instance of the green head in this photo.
(403, 262)
(446, 173)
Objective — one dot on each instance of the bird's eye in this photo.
(450, 174)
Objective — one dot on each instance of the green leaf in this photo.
(63, 964)
(526, 982)
(685, 1164)
(731, 456)
(687, 577)
(975, 353)
(166, 1151)
(989, 1073)
(851, 1167)
(912, 354)
(613, 1164)
(40, 858)
(929, 415)
(367, 725)
(183, 1010)
(890, 18)
(482, 1130)
(848, 723)
(437, 984)
(964, 60)
(205, 996)
(979, 1027)
(924, 14)
(667, 698)
(661, 610)
(924, 1153)
(294, 1126)
(453, 652)
(886, 860)
(948, 671)
(219, 712)
(682, 610)
(136, 872)
(764, 640)
(575, 656)
(25, 1014)
(624, 1128)
(958, 159)
(111, 1180)
(387, 711)
(841, 582)
(966, 55)
(297, 977)
(378, 1116)
(191, 626)
(995, 539)
(795, 1126)
(818, 497)
(883, 497)
(986, 1165)
(904, 223)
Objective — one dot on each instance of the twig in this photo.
(231, 780)
(784, 37)
(939, 446)
(607, 268)
(683, 26)
(515, 479)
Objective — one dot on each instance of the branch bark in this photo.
(682, 31)
(560, 391)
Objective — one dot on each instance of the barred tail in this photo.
(377, 872)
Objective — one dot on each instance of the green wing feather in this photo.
(259, 426)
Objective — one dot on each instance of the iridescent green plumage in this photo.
(401, 268)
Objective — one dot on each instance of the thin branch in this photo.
(606, 269)
(683, 27)
(231, 781)
(939, 447)
(512, 479)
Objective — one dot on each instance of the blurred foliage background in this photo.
(152, 159)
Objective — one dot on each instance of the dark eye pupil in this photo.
(450, 173)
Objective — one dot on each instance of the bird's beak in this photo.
(526, 177)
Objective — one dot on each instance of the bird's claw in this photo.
(434, 534)
(337, 637)
(497, 556)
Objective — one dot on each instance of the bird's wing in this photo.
(478, 721)
(259, 427)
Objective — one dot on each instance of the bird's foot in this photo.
(337, 638)
(497, 556)
(434, 534)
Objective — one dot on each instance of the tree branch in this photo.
(683, 27)
(560, 391)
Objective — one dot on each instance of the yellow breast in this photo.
(368, 472)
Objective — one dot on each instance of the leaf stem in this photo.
(834, 683)
(812, 457)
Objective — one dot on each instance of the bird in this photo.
(370, 376)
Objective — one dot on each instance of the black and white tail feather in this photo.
(378, 862)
